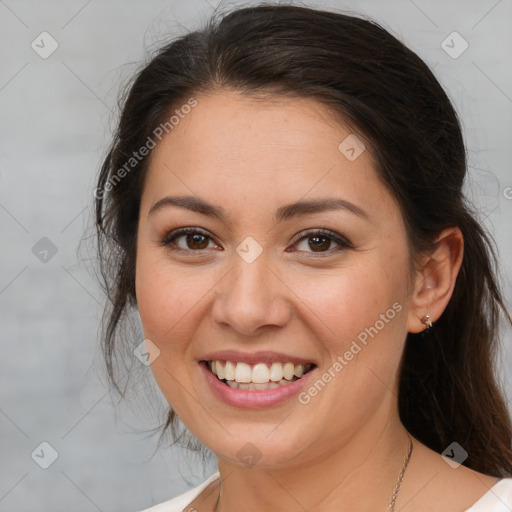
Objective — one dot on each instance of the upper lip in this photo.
(267, 356)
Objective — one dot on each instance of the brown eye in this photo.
(193, 240)
(196, 241)
(320, 241)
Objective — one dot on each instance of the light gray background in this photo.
(54, 129)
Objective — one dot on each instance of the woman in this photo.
(282, 206)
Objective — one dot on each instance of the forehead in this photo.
(230, 124)
(243, 150)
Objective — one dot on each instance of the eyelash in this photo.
(303, 235)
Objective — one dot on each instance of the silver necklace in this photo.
(391, 505)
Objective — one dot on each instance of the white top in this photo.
(497, 499)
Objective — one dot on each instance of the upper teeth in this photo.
(259, 373)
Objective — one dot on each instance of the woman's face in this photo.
(259, 280)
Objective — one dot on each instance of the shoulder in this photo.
(497, 499)
(179, 503)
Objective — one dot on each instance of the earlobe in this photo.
(436, 280)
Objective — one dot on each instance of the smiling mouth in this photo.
(257, 377)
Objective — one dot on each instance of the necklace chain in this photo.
(391, 505)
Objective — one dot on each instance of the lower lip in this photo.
(257, 399)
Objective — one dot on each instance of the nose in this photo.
(252, 298)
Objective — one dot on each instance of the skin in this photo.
(344, 450)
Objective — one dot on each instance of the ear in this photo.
(435, 280)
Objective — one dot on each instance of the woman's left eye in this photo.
(321, 239)
(195, 240)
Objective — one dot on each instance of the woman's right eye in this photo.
(194, 240)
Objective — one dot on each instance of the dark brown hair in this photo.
(448, 389)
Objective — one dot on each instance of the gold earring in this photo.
(426, 320)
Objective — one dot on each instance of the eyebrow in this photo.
(297, 209)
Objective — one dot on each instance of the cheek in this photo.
(170, 299)
(170, 303)
(343, 303)
(359, 322)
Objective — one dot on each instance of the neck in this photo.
(360, 473)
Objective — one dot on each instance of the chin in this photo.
(258, 450)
